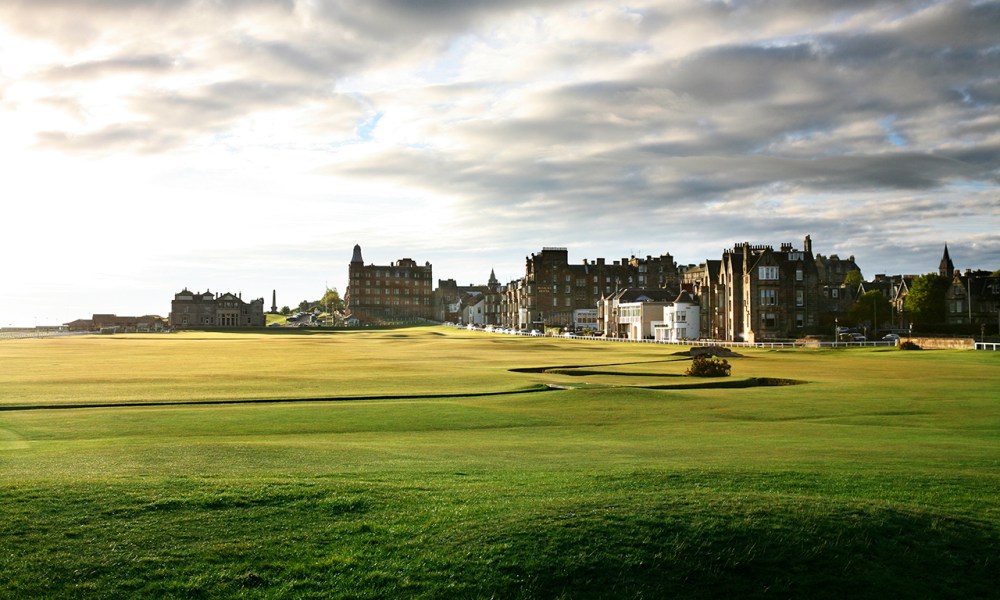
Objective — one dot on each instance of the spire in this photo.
(946, 268)
(493, 279)
(357, 254)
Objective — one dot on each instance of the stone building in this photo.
(768, 293)
(201, 310)
(398, 292)
(703, 283)
(552, 289)
(468, 304)
(973, 298)
(99, 322)
(836, 296)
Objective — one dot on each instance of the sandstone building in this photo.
(398, 292)
(553, 290)
(768, 293)
(206, 309)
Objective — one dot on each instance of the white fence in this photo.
(988, 346)
(788, 344)
(20, 335)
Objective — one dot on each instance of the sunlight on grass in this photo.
(875, 477)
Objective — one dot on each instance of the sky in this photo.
(246, 146)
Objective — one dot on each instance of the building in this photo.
(681, 320)
(768, 293)
(836, 295)
(585, 319)
(632, 312)
(553, 289)
(106, 322)
(703, 284)
(398, 292)
(973, 298)
(889, 286)
(203, 310)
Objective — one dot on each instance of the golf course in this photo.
(433, 462)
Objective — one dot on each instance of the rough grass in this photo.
(877, 477)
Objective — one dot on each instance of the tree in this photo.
(332, 301)
(871, 307)
(285, 310)
(925, 302)
(853, 279)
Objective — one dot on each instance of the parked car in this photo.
(891, 337)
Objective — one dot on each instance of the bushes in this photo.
(908, 345)
(709, 366)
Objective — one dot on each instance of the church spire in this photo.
(946, 268)
(357, 254)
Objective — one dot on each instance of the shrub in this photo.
(908, 345)
(709, 366)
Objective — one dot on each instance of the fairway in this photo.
(440, 463)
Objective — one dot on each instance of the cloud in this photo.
(527, 123)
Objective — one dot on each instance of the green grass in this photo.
(877, 476)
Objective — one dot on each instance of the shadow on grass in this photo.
(626, 539)
(745, 550)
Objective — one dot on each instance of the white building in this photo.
(639, 319)
(585, 318)
(681, 320)
(474, 309)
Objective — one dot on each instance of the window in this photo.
(800, 320)
(798, 274)
(835, 293)
(768, 297)
(800, 298)
(767, 273)
(768, 320)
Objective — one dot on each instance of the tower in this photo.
(274, 302)
(356, 259)
(946, 268)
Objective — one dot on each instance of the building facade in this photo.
(205, 309)
(681, 320)
(553, 289)
(768, 293)
(398, 292)
(973, 298)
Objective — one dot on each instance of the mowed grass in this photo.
(877, 476)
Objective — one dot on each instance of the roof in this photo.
(684, 298)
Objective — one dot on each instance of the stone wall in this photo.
(943, 343)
